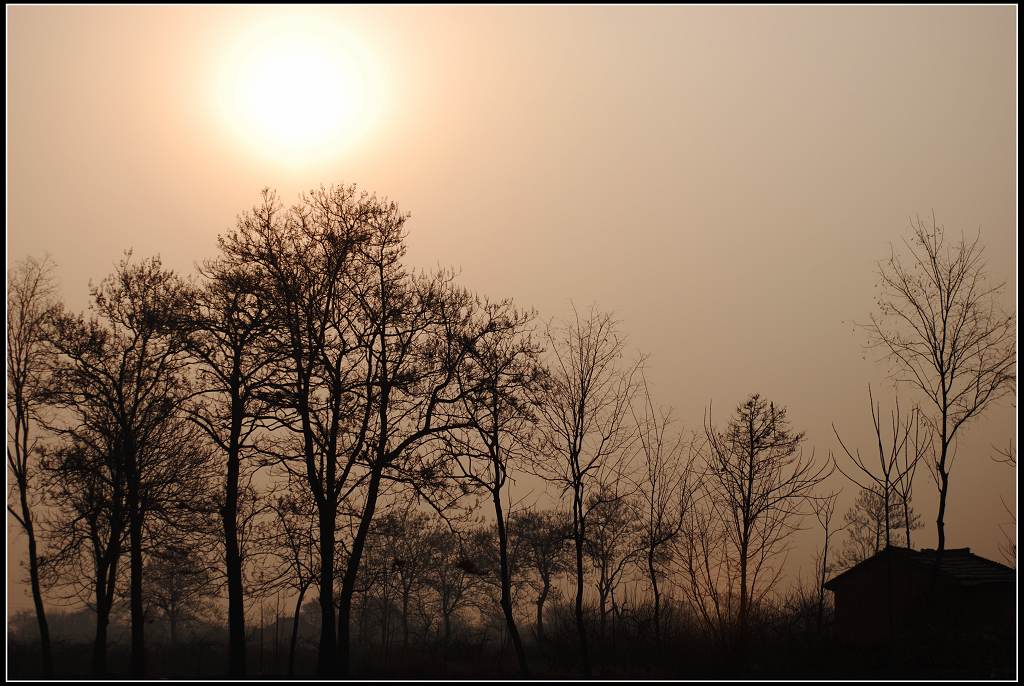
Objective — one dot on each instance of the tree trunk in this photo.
(106, 579)
(939, 521)
(657, 596)
(37, 595)
(295, 632)
(138, 619)
(743, 594)
(405, 619)
(277, 634)
(578, 533)
(327, 662)
(348, 582)
(906, 521)
(99, 644)
(233, 558)
(821, 584)
(540, 608)
(386, 611)
(943, 477)
(603, 601)
(506, 586)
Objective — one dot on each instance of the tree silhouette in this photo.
(500, 372)
(898, 457)
(541, 537)
(612, 542)
(227, 332)
(865, 523)
(304, 260)
(763, 481)
(88, 526)
(180, 585)
(123, 369)
(30, 303)
(583, 425)
(824, 512)
(664, 493)
(415, 333)
(940, 325)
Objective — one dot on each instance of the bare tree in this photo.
(181, 585)
(940, 325)
(1008, 548)
(763, 481)
(30, 303)
(417, 332)
(612, 542)
(88, 525)
(500, 372)
(304, 259)
(287, 546)
(919, 447)
(124, 369)
(227, 331)
(864, 524)
(663, 494)
(456, 574)
(824, 512)
(707, 570)
(541, 537)
(583, 423)
(893, 480)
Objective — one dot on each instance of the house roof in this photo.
(959, 565)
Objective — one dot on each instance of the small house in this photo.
(900, 592)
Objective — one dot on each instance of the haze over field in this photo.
(724, 180)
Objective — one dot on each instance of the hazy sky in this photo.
(723, 179)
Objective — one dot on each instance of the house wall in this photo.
(862, 610)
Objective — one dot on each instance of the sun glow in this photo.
(296, 90)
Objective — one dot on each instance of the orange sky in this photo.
(723, 179)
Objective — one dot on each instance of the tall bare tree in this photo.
(763, 481)
(416, 332)
(664, 493)
(30, 303)
(940, 324)
(304, 260)
(228, 332)
(583, 428)
(123, 368)
(500, 372)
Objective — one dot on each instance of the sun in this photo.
(295, 90)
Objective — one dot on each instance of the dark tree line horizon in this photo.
(306, 413)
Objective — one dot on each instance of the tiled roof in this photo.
(966, 567)
(958, 564)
